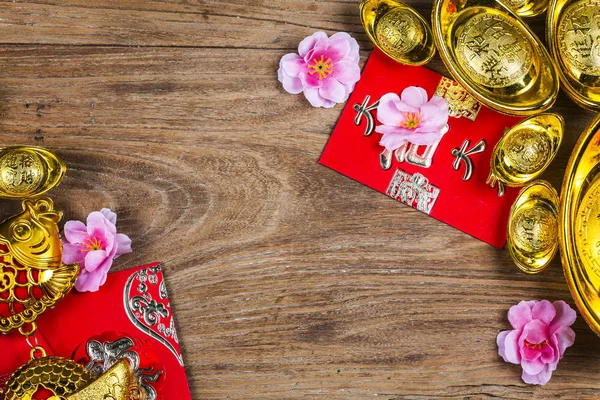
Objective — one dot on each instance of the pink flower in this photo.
(539, 338)
(326, 69)
(411, 118)
(93, 247)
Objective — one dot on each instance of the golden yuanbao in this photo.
(527, 149)
(398, 30)
(572, 32)
(492, 53)
(27, 171)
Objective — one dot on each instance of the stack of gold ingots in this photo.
(494, 55)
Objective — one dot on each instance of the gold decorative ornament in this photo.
(527, 149)
(58, 375)
(579, 228)
(494, 55)
(32, 276)
(528, 8)
(573, 36)
(27, 171)
(117, 383)
(398, 30)
(533, 227)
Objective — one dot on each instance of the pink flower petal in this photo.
(75, 232)
(309, 42)
(530, 354)
(541, 378)
(290, 84)
(535, 332)
(353, 55)
(346, 72)
(565, 316)
(519, 315)
(96, 222)
(388, 112)
(123, 245)
(95, 259)
(532, 367)
(544, 311)
(315, 99)
(89, 282)
(292, 64)
(564, 337)
(414, 96)
(548, 355)
(320, 48)
(393, 140)
(333, 90)
(310, 81)
(424, 138)
(511, 348)
(72, 254)
(434, 115)
(109, 215)
(338, 49)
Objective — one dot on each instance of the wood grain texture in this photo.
(289, 281)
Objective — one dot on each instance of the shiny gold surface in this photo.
(579, 231)
(32, 276)
(526, 150)
(115, 384)
(398, 30)
(490, 51)
(573, 36)
(58, 375)
(528, 8)
(533, 227)
(27, 171)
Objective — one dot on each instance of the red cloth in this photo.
(132, 303)
(471, 206)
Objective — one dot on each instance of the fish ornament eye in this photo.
(21, 230)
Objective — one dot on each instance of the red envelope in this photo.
(132, 303)
(437, 189)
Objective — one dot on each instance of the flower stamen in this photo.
(322, 67)
(91, 244)
(536, 346)
(411, 120)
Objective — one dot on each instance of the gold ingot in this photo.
(398, 30)
(528, 8)
(115, 384)
(526, 150)
(27, 171)
(579, 231)
(533, 227)
(573, 36)
(494, 55)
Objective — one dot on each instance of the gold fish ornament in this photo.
(32, 276)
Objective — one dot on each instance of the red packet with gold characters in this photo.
(446, 180)
(129, 317)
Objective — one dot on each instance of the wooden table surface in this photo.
(289, 281)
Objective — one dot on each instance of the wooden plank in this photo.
(289, 281)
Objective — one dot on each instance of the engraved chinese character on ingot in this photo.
(365, 109)
(462, 155)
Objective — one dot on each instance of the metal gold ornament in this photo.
(398, 30)
(573, 36)
(528, 8)
(27, 171)
(527, 149)
(32, 276)
(494, 55)
(533, 227)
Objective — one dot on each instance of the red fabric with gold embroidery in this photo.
(471, 206)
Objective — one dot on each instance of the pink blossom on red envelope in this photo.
(411, 118)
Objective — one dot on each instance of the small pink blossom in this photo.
(326, 69)
(541, 333)
(93, 247)
(411, 118)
